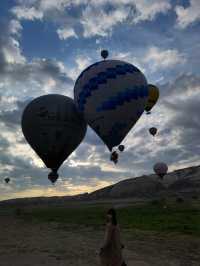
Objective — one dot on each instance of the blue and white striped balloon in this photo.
(112, 95)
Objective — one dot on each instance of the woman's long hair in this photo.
(112, 212)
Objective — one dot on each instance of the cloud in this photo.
(157, 58)
(65, 33)
(15, 27)
(40, 76)
(98, 18)
(81, 62)
(89, 167)
(10, 52)
(4, 144)
(181, 104)
(147, 10)
(176, 118)
(60, 4)
(12, 118)
(20, 77)
(139, 10)
(92, 138)
(20, 81)
(18, 162)
(27, 13)
(61, 188)
(159, 64)
(188, 15)
(184, 87)
(98, 22)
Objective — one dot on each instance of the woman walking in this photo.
(111, 251)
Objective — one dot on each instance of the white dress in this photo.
(111, 252)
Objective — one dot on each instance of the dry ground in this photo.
(31, 244)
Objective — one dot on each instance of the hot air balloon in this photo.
(53, 127)
(160, 169)
(7, 180)
(152, 97)
(111, 95)
(153, 131)
(121, 148)
(104, 54)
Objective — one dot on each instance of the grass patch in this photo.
(155, 218)
(183, 218)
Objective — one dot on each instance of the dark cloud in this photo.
(83, 152)
(21, 81)
(4, 144)
(20, 78)
(186, 121)
(33, 77)
(40, 68)
(178, 130)
(13, 118)
(182, 85)
(82, 174)
(92, 138)
(182, 129)
(181, 105)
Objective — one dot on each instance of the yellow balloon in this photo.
(152, 98)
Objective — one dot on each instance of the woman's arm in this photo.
(108, 238)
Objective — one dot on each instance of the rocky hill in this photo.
(184, 182)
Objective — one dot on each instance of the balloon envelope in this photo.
(112, 96)
(153, 131)
(53, 127)
(160, 169)
(152, 97)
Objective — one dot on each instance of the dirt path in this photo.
(30, 244)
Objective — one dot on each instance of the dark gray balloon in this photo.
(7, 180)
(160, 169)
(153, 131)
(121, 148)
(53, 127)
(104, 54)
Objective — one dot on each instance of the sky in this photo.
(44, 46)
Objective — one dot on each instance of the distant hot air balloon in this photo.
(121, 148)
(53, 127)
(153, 131)
(7, 180)
(160, 169)
(152, 97)
(104, 54)
(112, 96)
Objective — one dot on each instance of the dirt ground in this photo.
(29, 244)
